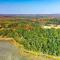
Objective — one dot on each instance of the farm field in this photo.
(36, 41)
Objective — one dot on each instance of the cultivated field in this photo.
(36, 37)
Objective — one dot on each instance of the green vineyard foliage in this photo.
(35, 38)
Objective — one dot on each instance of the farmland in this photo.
(29, 33)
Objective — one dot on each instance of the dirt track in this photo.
(9, 51)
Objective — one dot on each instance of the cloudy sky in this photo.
(29, 6)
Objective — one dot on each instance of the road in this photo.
(9, 52)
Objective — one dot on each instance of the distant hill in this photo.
(32, 15)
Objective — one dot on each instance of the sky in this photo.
(29, 6)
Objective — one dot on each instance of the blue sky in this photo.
(29, 6)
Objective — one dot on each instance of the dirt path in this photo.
(9, 51)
